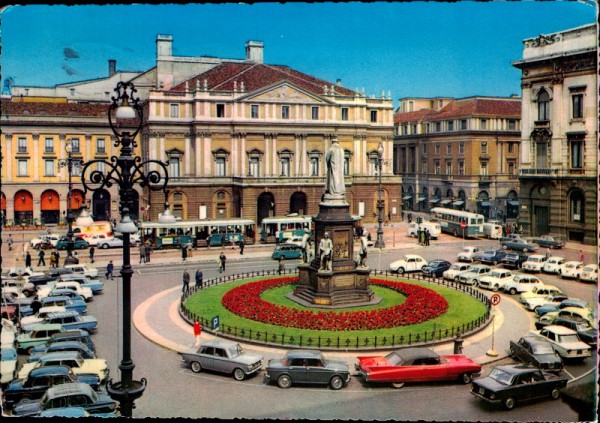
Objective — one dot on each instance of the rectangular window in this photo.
(512, 125)
(484, 148)
(314, 166)
(404, 129)
(373, 167)
(75, 148)
(76, 168)
(414, 129)
(438, 126)
(576, 153)
(22, 145)
(424, 148)
(254, 111)
(220, 166)
(285, 112)
(314, 113)
(344, 113)
(461, 148)
(174, 110)
(483, 168)
(437, 149)
(346, 166)
(483, 123)
(100, 146)
(22, 167)
(220, 110)
(463, 124)
(285, 166)
(173, 167)
(427, 128)
(253, 167)
(449, 148)
(577, 100)
(437, 169)
(49, 145)
(461, 167)
(511, 168)
(424, 166)
(511, 147)
(373, 115)
(101, 167)
(450, 125)
(448, 168)
(48, 167)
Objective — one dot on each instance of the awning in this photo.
(435, 200)
(513, 203)
(458, 203)
(486, 204)
(419, 199)
(407, 197)
(444, 202)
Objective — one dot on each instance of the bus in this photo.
(96, 228)
(277, 229)
(450, 220)
(199, 233)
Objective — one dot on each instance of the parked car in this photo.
(46, 291)
(534, 303)
(510, 237)
(540, 291)
(474, 274)
(547, 241)
(78, 335)
(40, 315)
(511, 383)
(8, 334)
(65, 395)
(76, 303)
(568, 302)
(78, 243)
(409, 263)
(307, 367)
(48, 241)
(416, 364)
(24, 286)
(287, 251)
(489, 256)
(565, 341)
(69, 320)
(78, 346)
(73, 359)
(537, 352)
(13, 296)
(296, 240)
(589, 273)
(522, 283)
(454, 270)
(8, 364)
(496, 279)
(583, 313)
(436, 268)
(39, 380)
(97, 239)
(224, 357)
(112, 242)
(514, 259)
(570, 269)
(466, 254)
(584, 330)
(534, 263)
(95, 284)
(13, 272)
(43, 279)
(519, 244)
(55, 273)
(90, 272)
(39, 335)
(553, 264)
(434, 229)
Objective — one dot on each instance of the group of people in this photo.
(511, 228)
(423, 236)
(199, 279)
(54, 259)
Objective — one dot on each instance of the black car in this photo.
(436, 268)
(511, 383)
(536, 351)
(307, 367)
(586, 333)
(547, 241)
(514, 259)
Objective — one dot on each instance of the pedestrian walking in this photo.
(92, 251)
(41, 261)
(427, 237)
(147, 252)
(109, 270)
(186, 282)
(52, 261)
(197, 333)
(142, 253)
(222, 260)
(241, 243)
(199, 277)
(419, 235)
(75, 257)
(183, 252)
(9, 242)
(27, 259)
(581, 256)
(57, 255)
(281, 268)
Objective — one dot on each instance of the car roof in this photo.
(303, 354)
(412, 256)
(560, 330)
(416, 352)
(71, 333)
(46, 326)
(60, 355)
(59, 314)
(517, 368)
(68, 389)
(535, 340)
(68, 343)
(50, 370)
(219, 343)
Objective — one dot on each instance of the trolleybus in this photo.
(279, 228)
(458, 223)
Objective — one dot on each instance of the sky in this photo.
(412, 49)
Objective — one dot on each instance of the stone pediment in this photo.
(284, 93)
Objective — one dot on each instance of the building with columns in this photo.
(459, 153)
(559, 149)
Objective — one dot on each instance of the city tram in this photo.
(458, 222)
(276, 229)
(199, 233)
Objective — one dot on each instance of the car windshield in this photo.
(235, 350)
(582, 326)
(543, 349)
(393, 358)
(501, 376)
(568, 338)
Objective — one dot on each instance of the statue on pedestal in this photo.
(334, 182)
(362, 253)
(326, 252)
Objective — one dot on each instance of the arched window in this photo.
(576, 207)
(543, 101)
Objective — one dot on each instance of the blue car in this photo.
(436, 268)
(80, 347)
(69, 320)
(79, 335)
(571, 302)
(96, 285)
(76, 303)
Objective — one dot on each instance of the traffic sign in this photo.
(215, 323)
(463, 225)
(495, 299)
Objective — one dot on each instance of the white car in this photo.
(540, 291)
(455, 270)
(409, 263)
(8, 334)
(51, 238)
(8, 364)
(534, 263)
(467, 253)
(104, 241)
(41, 314)
(14, 272)
(583, 313)
(535, 302)
(522, 283)
(571, 269)
(565, 341)
(90, 272)
(553, 264)
(589, 273)
(85, 292)
(496, 279)
(474, 274)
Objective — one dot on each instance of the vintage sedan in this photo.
(496, 279)
(467, 253)
(532, 304)
(95, 284)
(75, 303)
(90, 272)
(511, 383)
(455, 270)
(520, 244)
(8, 364)
(553, 264)
(547, 241)
(557, 306)
(307, 367)
(534, 263)
(73, 359)
(416, 365)
(585, 331)
(571, 269)
(436, 268)
(24, 286)
(409, 263)
(489, 256)
(39, 335)
(78, 335)
(41, 315)
(565, 341)
(78, 346)
(78, 243)
(514, 259)
(589, 273)
(223, 356)
(540, 291)
(65, 395)
(113, 242)
(474, 274)
(583, 313)
(50, 289)
(537, 352)
(522, 283)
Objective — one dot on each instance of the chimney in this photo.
(164, 45)
(254, 51)
(112, 67)
(338, 82)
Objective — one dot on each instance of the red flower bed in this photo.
(421, 304)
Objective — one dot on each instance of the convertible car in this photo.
(416, 365)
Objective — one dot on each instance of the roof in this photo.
(532, 339)
(54, 109)
(59, 355)
(219, 343)
(413, 117)
(68, 389)
(416, 352)
(255, 76)
(71, 333)
(560, 330)
(303, 354)
(50, 370)
(517, 368)
(46, 326)
(466, 107)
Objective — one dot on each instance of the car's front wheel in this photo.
(284, 381)
(238, 374)
(336, 383)
(196, 367)
(555, 393)
(496, 288)
(104, 246)
(466, 378)
(398, 385)
(400, 270)
(509, 403)
(512, 291)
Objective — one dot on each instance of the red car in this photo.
(416, 365)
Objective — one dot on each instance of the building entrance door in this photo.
(541, 216)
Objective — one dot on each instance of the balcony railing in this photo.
(538, 172)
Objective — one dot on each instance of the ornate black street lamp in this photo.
(380, 243)
(124, 114)
(69, 163)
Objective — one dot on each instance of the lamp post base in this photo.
(126, 395)
(71, 260)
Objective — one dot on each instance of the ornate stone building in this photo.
(459, 153)
(559, 150)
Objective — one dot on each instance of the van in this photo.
(492, 230)
(287, 251)
(96, 228)
(434, 229)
